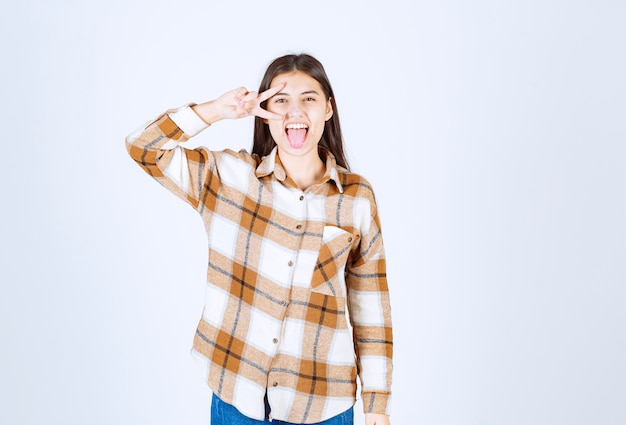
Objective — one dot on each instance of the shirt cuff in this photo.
(188, 121)
(376, 402)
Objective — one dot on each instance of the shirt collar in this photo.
(271, 164)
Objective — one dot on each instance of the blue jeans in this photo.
(226, 414)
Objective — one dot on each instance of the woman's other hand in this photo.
(376, 419)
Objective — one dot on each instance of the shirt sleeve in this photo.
(188, 121)
(156, 148)
(370, 314)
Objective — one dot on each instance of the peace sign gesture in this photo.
(238, 103)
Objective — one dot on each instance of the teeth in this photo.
(298, 125)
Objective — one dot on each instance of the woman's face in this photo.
(305, 110)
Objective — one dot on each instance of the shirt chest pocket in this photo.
(329, 272)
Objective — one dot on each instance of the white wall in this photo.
(492, 131)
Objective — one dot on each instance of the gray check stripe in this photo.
(366, 275)
(374, 341)
(366, 186)
(322, 265)
(334, 257)
(315, 344)
(255, 215)
(371, 405)
(230, 353)
(241, 290)
(246, 284)
(150, 146)
(206, 184)
(319, 307)
(328, 379)
(344, 182)
(199, 178)
(338, 213)
(371, 243)
(207, 187)
(146, 151)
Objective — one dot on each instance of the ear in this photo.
(329, 110)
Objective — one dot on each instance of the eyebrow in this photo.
(303, 93)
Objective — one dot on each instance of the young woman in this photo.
(296, 299)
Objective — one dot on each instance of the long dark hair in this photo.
(332, 139)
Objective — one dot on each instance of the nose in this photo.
(294, 110)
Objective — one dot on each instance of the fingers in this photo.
(245, 103)
(240, 94)
(245, 99)
(271, 92)
(265, 114)
(262, 97)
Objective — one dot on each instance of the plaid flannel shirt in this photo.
(296, 296)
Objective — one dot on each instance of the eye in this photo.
(280, 100)
(309, 99)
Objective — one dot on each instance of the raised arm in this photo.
(155, 147)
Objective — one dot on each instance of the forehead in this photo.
(297, 82)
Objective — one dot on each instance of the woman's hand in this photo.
(376, 419)
(238, 103)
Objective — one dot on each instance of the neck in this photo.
(305, 171)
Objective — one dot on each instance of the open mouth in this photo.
(296, 134)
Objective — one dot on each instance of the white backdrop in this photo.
(492, 131)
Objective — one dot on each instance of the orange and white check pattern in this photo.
(296, 296)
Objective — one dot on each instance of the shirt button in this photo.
(350, 239)
(290, 263)
(301, 197)
(299, 226)
(275, 340)
(275, 384)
